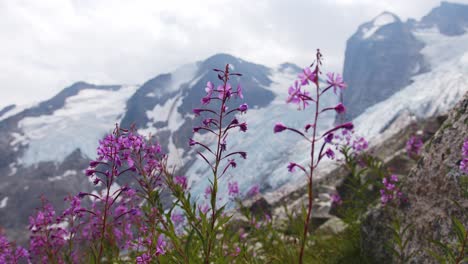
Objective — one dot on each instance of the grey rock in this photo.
(432, 185)
(380, 65)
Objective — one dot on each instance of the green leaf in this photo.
(436, 256)
(459, 230)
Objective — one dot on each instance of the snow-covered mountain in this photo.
(386, 54)
(395, 70)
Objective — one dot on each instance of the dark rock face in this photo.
(450, 18)
(25, 184)
(139, 103)
(381, 58)
(6, 109)
(379, 65)
(25, 188)
(431, 187)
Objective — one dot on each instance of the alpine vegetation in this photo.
(299, 95)
(142, 210)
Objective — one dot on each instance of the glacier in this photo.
(84, 119)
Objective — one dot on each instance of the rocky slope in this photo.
(432, 186)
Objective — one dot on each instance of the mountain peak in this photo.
(385, 18)
(450, 18)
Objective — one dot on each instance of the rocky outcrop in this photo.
(450, 18)
(380, 59)
(432, 186)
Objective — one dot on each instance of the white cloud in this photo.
(49, 44)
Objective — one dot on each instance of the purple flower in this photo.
(243, 154)
(329, 138)
(391, 190)
(233, 189)
(291, 166)
(234, 121)
(10, 253)
(348, 126)
(243, 108)
(204, 209)
(205, 100)
(340, 108)
(279, 127)
(254, 190)
(224, 92)
(197, 111)
(360, 144)
(414, 146)
(335, 81)
(181, 181)
(89, 172)
(209, 89)
(465, 149)
(306, 76)
(177, 218)
(232, 162)
(464, 165)
(330, 154)
(144, 258)
(207, 121)
(93, 163)
(192, 142)
(464, 162)
(161, 246)
(239, 91)
(294, 93)
(308, 126)
(336, 199)
(207, 191)
(243, 127)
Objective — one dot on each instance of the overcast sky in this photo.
(47, 45)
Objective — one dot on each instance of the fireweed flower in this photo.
(336, 199)
(464, 162)
(10, 253)
(279, 127)
(115, 211)
(181, 181)
(177, 218)
(414, 146)
(243, 108)
(233, 189)
(307, 75)
(335, 81)
(340, 108)
(465, 148)
(222, 120)
(46, 236)
(330, 154)
(239, 92)
(299, 94)
(294, 93)
(391, 191)
(253, 191)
